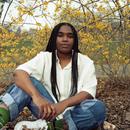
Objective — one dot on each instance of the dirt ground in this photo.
(116, 96)
(117, 99)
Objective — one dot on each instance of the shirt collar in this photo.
(58, 62)
(69, 64)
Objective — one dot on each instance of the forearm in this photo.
(78, 98)
(22, 80)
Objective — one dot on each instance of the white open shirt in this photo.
(40, 68)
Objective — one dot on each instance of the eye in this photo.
(60, 35)
(70, 36)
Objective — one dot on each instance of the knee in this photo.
(100, 106)
(97, 108)
(99, 111)
(92, 113)
(94, 104)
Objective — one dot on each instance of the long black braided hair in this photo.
(51, 47)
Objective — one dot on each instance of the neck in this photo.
(63, 56)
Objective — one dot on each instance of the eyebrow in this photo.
(70, 33)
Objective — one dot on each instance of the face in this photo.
(65, 40)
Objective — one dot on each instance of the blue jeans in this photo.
(87, 115)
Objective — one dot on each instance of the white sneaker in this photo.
(109, 126)
(34, 125)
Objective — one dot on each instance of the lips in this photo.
(65, 45)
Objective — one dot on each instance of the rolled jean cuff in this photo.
(69, 120)
(12, 106)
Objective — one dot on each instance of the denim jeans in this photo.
(87, 115)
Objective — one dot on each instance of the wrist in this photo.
(65, 103)
(34, 95)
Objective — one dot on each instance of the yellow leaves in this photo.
(101, 9)
(98, 46)
(86, 38)
(25, 10)
(128, 24)
(21, 10)
(106, 1)
(7, 65)
(57, 8)
(20, 20)
(106, 53)
(38, 24)
(97, 30)
(101, 25)
(3, 30)
(8, 39)
(7, 35)
(78, 13)
(75, 13)
(30, 13)
(21, 1)
(127, 61)
(45, 3)
(16, 55)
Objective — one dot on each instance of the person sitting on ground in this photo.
(58, 83)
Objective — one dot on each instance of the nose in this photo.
(65, 38)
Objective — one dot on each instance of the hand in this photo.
(46, 109)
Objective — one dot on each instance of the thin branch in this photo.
(89, 3)
(6, 12)
(82, 5)
(104, 16)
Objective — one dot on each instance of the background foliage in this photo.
(103, 27)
